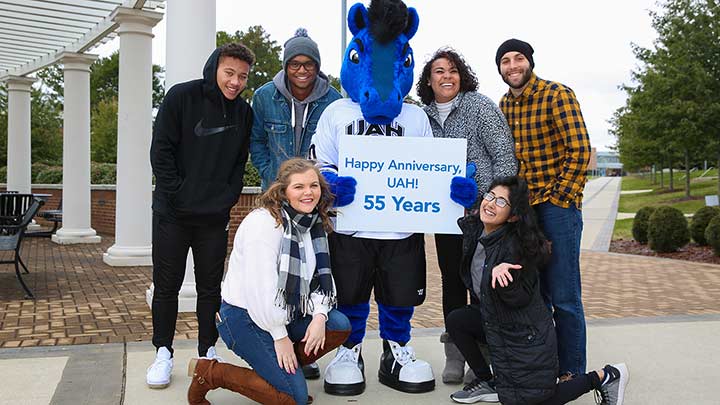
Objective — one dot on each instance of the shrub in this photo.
(3, 174)
(50, 175)
(252, 177)
(667, 230)
(640, 224)
(712, 234)
(103, 173)
(700, 221)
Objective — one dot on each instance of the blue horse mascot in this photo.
(377, 74)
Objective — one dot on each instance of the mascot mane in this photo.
(377, 70)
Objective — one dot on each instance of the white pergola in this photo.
(38, 33)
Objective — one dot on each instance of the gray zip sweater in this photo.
(489, 142)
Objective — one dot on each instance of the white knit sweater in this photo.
(252, 276)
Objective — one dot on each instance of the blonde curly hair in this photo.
(274, 196)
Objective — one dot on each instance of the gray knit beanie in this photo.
(301, 44)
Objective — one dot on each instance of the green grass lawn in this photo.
(699, 188)
(623, 229)
(644, 182)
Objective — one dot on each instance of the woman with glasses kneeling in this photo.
(278, 294)
(503, 250)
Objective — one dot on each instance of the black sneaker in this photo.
(311, 371)
(613, 391)
(476, 391)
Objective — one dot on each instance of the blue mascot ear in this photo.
(412, 23)
(358, 18)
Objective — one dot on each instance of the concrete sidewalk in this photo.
(600, 201)
(672, 360)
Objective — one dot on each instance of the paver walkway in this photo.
(82, 300)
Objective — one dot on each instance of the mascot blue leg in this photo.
(358, 315)
(395, 323)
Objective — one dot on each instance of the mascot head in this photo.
(377, 70)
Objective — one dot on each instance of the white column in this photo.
(133, 217)
(76, 151)
(18, 147)
(190, 39)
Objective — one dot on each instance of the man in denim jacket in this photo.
(286, 110)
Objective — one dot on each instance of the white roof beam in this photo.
(39, 32)
(53, 43)
(63, 8)
(54, 21)
(26, 45)
(47, 13)
(17, 22)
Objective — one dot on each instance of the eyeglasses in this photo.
(499, 201)
(295, 65)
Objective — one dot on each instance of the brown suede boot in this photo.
(210, 374)
(333, 339)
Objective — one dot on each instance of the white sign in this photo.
(403, 183)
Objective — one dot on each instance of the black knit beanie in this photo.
(517, 46)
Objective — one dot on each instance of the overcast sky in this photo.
(583, 44)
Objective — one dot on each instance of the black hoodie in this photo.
(199, 150)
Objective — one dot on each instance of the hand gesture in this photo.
(501, 274)
(285, 355)
(315, 335)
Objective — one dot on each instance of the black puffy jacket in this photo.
(518, 326)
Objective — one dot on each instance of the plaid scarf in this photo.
(295, 279)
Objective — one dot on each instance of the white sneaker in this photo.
(158, 374)
(212, 355)
(345, 375)
(400, 369)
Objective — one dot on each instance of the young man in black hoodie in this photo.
(198, 154)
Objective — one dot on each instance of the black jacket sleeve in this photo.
(164, 147)
(519, 292)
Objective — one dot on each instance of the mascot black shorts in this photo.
(395, 269)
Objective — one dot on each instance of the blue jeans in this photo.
(560, 283)
(257, 348)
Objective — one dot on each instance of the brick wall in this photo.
(103, 207)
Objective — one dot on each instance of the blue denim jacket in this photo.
(273, 138)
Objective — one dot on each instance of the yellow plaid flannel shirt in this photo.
(551, 142)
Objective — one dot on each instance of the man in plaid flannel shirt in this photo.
(553, 149)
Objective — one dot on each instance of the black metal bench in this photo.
(16, 213)
(54, 216)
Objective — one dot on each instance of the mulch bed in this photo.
(691, 252)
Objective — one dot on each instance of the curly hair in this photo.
(534, 247)
(468, 80)
(274, 196)
(237, 50)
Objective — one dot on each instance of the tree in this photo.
(104, 79)
(677, 99)
(103, 135)
(46, 135)
(267, 55)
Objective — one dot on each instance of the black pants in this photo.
(171, 242)
(465, 326)
(449, 253)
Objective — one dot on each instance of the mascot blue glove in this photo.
(342, 187)
(464, 190)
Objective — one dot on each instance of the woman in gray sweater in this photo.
(448, 88)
